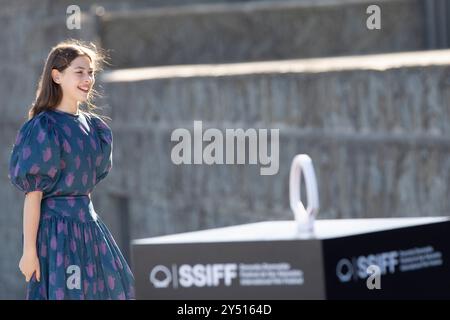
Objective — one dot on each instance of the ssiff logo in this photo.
(372, 265)
(198, 275)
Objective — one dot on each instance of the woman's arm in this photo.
(29, 263)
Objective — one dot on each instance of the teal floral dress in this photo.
(65, 156)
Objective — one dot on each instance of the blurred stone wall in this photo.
(255, 31)
(376, 128)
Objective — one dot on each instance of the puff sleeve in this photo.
(104, 162)
(35, 158)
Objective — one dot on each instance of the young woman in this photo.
(60, 154)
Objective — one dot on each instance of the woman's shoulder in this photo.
(39, 128)
(41, 121)
(102, 128)
(98, 122)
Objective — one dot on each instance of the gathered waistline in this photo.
(76, 207)
(67, 196)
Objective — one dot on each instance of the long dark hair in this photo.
(49, 93)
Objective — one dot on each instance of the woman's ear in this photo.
(56, 76)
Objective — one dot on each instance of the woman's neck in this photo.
(68, 107)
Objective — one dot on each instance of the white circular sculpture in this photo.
(302, 165)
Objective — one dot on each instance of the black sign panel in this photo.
(413, 263)
(233, 270)
(402, 262)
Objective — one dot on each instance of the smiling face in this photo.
(76, 80)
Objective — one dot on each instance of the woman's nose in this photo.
(88, 79)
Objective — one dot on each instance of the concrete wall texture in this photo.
(376, 126)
